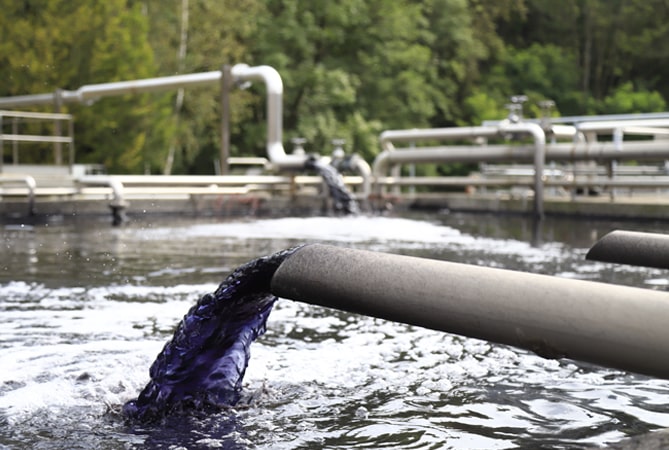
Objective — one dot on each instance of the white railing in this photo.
(15, 137)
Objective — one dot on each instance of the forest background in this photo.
(350, 68)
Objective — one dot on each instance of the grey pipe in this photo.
(613, 326)
(632, 247)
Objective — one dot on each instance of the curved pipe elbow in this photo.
(365, 171)
(533, 129)
(381, 164)
(267, 74)
(274, 87)
(278, 157)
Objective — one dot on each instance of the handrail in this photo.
(57, 139)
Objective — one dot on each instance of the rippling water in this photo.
(85, 308)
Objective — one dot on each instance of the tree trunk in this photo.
(181, 58)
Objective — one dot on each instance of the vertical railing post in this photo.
(70, 130)
(57, 131)
(15, 143)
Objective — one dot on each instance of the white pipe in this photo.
(561, 151)
(389, 155)
(92, 92)
(274, 86)
(539, 137)
(564, 131)
(19, 101)
(384, 160)
(610, 125)
(423, 134)
(590, 119)
(113, 182)
(365, 172)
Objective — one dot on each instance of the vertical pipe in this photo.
(274, 87)
(539, 136)
(226, 85)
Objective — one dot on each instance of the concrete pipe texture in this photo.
(632, 247)
(609, 325)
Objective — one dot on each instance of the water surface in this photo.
(86, 307)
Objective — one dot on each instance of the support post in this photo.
(610, 325)
(2, 143)
(226, 85)
(57, 127)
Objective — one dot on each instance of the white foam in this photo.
(377, 233)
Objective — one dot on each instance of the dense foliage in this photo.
(351, 68)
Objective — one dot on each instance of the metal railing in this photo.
(57, 139)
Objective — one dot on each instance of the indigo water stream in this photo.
(86, 308)
(203, 366)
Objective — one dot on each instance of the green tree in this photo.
(468, 52)
(625, 100)
(608, 42)
(350, 68)
(45, 45)
(218, 34)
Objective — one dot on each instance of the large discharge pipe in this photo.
(614, 326)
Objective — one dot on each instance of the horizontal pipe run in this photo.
(20, 101)
(649, 182)
(610, 125)
(632, 247)
(93, 92)
(636, 150)
(157, 183)
(422, 134)
(587, 119)
(614, 326)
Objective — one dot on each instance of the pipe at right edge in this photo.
(632, 247)
(613, 326)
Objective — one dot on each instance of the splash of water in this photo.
(343, 199)
(203, 366)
